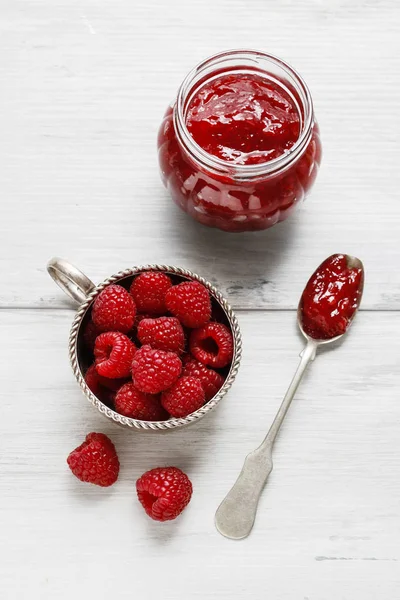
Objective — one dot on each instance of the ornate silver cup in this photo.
(81, 289)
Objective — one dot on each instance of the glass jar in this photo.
(229, 196)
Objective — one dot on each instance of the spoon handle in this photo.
(236, 514)
(306, 357)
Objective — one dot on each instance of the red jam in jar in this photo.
(240, 147)
(244, 119)
(331, 297)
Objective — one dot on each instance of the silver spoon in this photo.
(236, 514)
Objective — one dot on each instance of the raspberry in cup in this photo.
(128, 371)
(240, 147)
(154, 339)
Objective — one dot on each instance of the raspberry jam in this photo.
(240, 148)
(244, 119)
(331, 297)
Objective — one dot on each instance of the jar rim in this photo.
(219, 165)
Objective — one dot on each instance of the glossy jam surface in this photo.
(240, 130)
(331, 297)
(245, 119)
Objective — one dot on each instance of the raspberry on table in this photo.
(137, 405)
(95, 461)
(113, 352)
(184, 397)
(210, 380)
(164, 333)
(114, 310)
(155, 370)
(164, 492)
(190, 302)
(212, 345)
(148, 290)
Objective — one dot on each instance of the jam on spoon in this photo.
(331, 297)
(330, 301)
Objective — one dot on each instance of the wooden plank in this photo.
(84, 89)
(329, 520)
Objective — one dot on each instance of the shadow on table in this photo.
(238, 263)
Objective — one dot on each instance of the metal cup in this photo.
(81, 289)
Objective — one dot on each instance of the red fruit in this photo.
(212, 345)
(114, 310)
(190, 303)
(90, 334)
(184, 397)
(164, 492)
(113, 352)
(95, 385)
(155, 370)
(140, 317)
(112, 384)
(95, 461)
(210, 380)
(164, 333)
(132, 403)
(92, 381)
(186, 357)
(148, 290)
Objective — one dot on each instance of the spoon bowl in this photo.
(353, 264)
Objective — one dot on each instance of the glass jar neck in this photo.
(244, 61)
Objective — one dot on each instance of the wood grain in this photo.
(84, 87)
(329, 516)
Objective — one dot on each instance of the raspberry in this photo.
(212, 345)
(210, 380)
(184, 397)
(95, 385)
(186, 357)
(114, 310)
(148, 291)
(92, 378)
(90, 334)
(164, 492)
(92, 381)
(155, 370)
(132, 403)
(112, 384)
(141, 316)
(190, 303)
(164, 333)
(113, 353)
(95, 461)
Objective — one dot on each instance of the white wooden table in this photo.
(83, 88)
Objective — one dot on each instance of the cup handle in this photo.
(70, 279)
